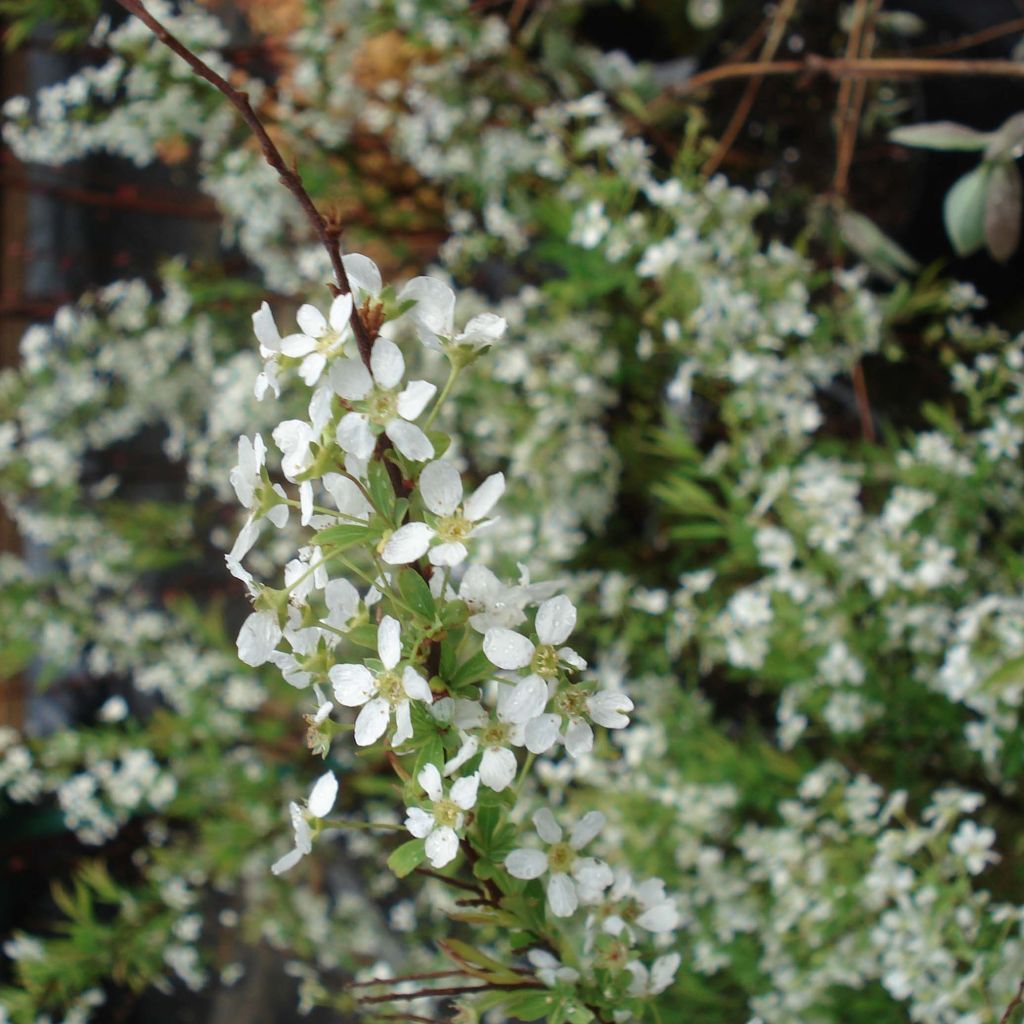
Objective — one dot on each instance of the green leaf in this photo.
(363, 636)
(530, 1005)
(964, 210)
(341, 537)
(946, 135)
(1003, 211)
(875, 247)
(432, 752)
(416, 593)
(473, 670)
(407, 857)
(1007, 675)
(382, 494)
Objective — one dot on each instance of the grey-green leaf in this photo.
(1007, 141)
(875, 247)
(964, 210)
(1002, 211)
(946, 135)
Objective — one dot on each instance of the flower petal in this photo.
(419, 822)
(526, 864)
(562, 895)
(355, 436)
(609, 708)
(287, 862)
(410, 440)
(434, 312)
(403, 724)
(448, 554)
(363, 276)
(325, 792)
(464, 791)
(507, 649)
(430, 779)
(311, 321)
(442, 845)
(265, 328)
(579, 739)
(528, 699)
(354, 685)
(387, 363)
(556, 619)
(372, 721)
(407, 543)
(258, 636)
(441, 488)
(415, 686)
(412, 400)
(485, 497)
(498, 768)
(350, 380)
(542, 733)
(389, 641)
(546, 826)
(298, 345)
(585, 829)
(341, 312)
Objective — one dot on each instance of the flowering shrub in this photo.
(660, 691)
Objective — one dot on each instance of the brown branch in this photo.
(455, 883)
(840, 67)
(1017, 1000)
(739, 118)
(329, 233)
(850, 100)
(427, 976)
(436, 993)
(985, 35)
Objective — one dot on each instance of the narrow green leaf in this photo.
(945, 135)
(341, 537)
(382, 494)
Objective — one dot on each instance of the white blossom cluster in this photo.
(462, 679)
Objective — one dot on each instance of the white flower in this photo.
(556, 619)
(320, 338)
(247, 479)
(294, 437)
(441, 824)
(434, 318)
(973, 846)
(441, 489)
(380, 406)
(572, 878)
(645, 904)
(605, 707)
(516, 706)
(269, 337)
(381, 693)
(550, 970)
(491, 602)
(321, 800)
(657, 979)
(260, 634)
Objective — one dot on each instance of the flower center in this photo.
(447, 812)
(545, 661)
(560, 858)
(327, 343)
(572, 702)
(495, 735)
(453, 528)
(382, 407)
(614, 956)
(389, 686)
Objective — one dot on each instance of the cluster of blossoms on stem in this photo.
(460, 679)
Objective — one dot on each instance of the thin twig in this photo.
(455, 883)
(427, 976)
(439, 993)
(840, 67)
(1017, 1000)
(850, 99)
(985, 35)
(783, 13)
(329, 233)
